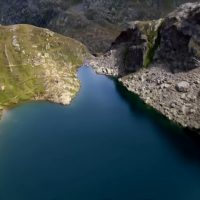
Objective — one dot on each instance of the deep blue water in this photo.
(107, 145)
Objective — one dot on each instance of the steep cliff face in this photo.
(37, 64)
(132, 50)
(160, 61)
(94, 22)
(180, 38)
(139, 43)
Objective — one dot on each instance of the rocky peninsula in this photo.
(160, 61)
(38, 64)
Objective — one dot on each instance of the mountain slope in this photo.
(38, 64)
(96, 23)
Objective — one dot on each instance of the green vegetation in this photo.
(38, 64)
(151, 30)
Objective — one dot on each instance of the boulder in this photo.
(180, 38)
(182, 86)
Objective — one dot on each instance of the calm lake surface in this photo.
(107, 145)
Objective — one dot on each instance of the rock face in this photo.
(160, 61)
(133, 48)
(37, 64)
(96, 23)
(180, 38)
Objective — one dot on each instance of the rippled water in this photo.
(107, 145)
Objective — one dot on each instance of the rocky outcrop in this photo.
(37, 64)
(180, 38)
(160, 61)
(132, 49)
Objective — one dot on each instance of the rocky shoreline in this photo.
(174, 95)
(171, 81)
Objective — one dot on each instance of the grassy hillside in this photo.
(38, 64)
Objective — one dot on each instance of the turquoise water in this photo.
(107, 145)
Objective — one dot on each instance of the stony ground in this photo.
(176, 96)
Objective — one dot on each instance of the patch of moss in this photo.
(153, 44)
(151, 30)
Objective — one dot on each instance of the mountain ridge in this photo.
(94, 23)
